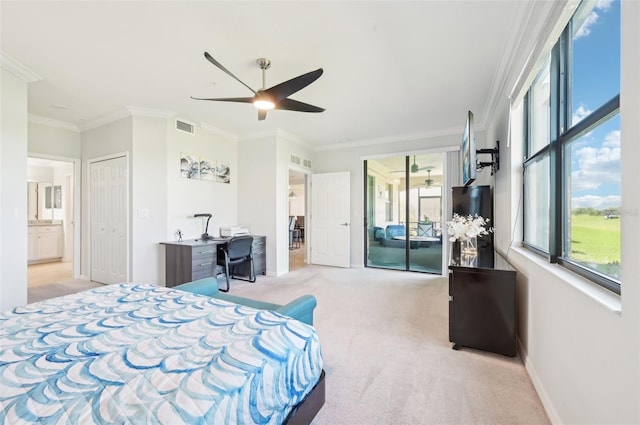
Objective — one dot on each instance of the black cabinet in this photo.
(482, 309)
(475, 200)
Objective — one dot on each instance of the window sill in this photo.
(524, 257)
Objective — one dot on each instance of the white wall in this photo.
(580, 343)
(148, 199)
(297, 202)
(13, 198)
(49, 140)
(186, 197)
(257, 192)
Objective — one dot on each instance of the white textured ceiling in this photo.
(391, 68)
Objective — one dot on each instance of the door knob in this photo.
(344, 224)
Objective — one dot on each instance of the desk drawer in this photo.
(259, 245)
(203, 253)
(201, 273)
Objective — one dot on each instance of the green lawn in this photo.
(596, 241)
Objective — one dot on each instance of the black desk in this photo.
(194, 259)
(482, 308)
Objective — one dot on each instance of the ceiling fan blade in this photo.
(262, 114)
(228, 99)
(286, 89)
(222, 68)
(294, 105)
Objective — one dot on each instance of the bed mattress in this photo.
(135, 353)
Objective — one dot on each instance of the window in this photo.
(389, 203)
(572, 147)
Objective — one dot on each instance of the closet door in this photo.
(108, 217)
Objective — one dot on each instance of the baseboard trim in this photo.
(547, 403)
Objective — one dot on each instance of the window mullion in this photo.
(555, 179)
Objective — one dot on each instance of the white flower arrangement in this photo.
(464, 228)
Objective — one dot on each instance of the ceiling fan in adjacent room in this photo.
(276, 97)
(414, 167)
(419, 182)
(429, 181)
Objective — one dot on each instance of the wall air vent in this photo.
(295, 159)
(185, 127)
(306, 163)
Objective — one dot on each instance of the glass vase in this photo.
(469, 252)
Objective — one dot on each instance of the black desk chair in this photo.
(238, 251)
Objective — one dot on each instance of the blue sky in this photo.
(595, 80)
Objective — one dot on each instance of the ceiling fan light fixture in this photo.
(264, 104)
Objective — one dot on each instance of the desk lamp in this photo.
(205, 235)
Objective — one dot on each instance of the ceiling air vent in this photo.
(306, 163)
(185, 127)
(295, 159)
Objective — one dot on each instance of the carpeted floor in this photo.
(387, 353)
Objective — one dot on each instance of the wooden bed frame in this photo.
(304, 412)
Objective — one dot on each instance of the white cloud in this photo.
(597, 166)
(579, 114)
(592, 19)
(604, 4)
(596, 202)
(612, 140)
(585, 28)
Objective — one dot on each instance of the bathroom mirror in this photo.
(42, 198)
(32, 200)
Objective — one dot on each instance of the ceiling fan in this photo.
(276, 97)
(414, 167)
(417, 182)
(429, 181)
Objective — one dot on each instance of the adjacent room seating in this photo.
(389, 240)
(300, 226)
(426, 229)
(300, 309)
(294, 234)
(236, 252)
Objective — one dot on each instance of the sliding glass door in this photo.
(403, 202)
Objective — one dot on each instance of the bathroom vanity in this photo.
(45, 241)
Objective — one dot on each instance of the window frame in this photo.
(562, 133)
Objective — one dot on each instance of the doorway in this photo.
(404, 201)
(52, 207)
(297, 197)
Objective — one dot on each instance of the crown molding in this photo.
(276, 134)
(259, 135)
(18, 69)
(50, 122)
(137, 111)
(290, 137)
(127, 111)
(105, 119)
(390, 139)
(218, 131)
(510, 53)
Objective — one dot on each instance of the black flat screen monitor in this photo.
(468, 150)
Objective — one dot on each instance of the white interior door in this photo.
(330, 224)
(108, 215)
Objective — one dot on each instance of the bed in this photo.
(135, 353)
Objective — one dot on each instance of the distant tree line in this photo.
(593, 211)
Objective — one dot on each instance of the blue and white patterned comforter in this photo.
(144, 354)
